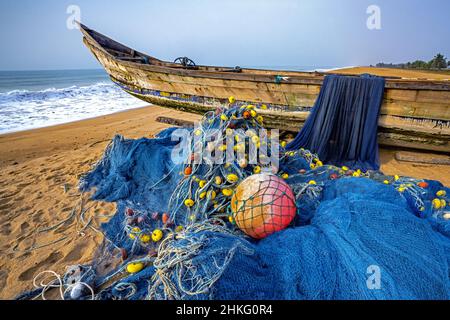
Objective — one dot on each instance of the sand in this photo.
(39, 172)
(403, 73)
(35, 166)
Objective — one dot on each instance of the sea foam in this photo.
(25, 109)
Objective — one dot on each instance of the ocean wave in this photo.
(26, 109)
(53, 93)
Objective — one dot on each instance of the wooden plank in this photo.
(416, 110)
(412, 126)
(175, 122)
(258, 94)
(416, 157)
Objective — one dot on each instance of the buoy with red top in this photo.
(263, 204)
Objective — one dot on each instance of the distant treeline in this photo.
(438, 62)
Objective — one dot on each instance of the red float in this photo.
(263, 204)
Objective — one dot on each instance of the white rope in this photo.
(57, 283)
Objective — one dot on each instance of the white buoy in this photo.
(77, 291)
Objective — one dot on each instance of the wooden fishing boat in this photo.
(415, 113)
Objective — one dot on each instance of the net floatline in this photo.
(196, 243)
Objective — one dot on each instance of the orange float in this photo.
(263, 204)
(423, 184)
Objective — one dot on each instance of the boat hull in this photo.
(414, 114)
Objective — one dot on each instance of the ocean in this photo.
(35, 99)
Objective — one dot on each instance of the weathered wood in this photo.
(175, 122)
(428, 158)
(414, 114)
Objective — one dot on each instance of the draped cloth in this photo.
(342, 126)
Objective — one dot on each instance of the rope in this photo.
(176, 271)
(57, 283)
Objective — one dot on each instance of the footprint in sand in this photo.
(3, 277)
(6, 229)
(22, 185)
(26, 209)
(19, 198)
(24, 226)
(4, 203)
(51, 177)
(45, 264)
(36, 217)
(77, 252)
(12, 194)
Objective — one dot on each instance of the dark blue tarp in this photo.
(342, 126)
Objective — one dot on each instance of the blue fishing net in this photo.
(357, 234)
(343, 123)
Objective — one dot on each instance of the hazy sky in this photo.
(34, 35)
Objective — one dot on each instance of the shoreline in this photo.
(71, 122)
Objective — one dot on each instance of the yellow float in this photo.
(134, 232)
(232, 178)
(189, 203)
(441, 193)
(227, 192)
(212, 194)
(135, 267)
(436, 203)
(145, 238)
(157, 235)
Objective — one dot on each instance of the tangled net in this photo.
(174, 231)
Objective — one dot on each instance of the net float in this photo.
(165, 218)
(263, 204)
(423, 184)
(135, 267)
(188, 171)
(157, 235)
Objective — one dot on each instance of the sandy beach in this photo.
(403, 73)
(39, 228)
(38, 189)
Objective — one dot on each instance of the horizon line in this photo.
(64, 69)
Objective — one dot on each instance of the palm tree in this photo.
(438, 62)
